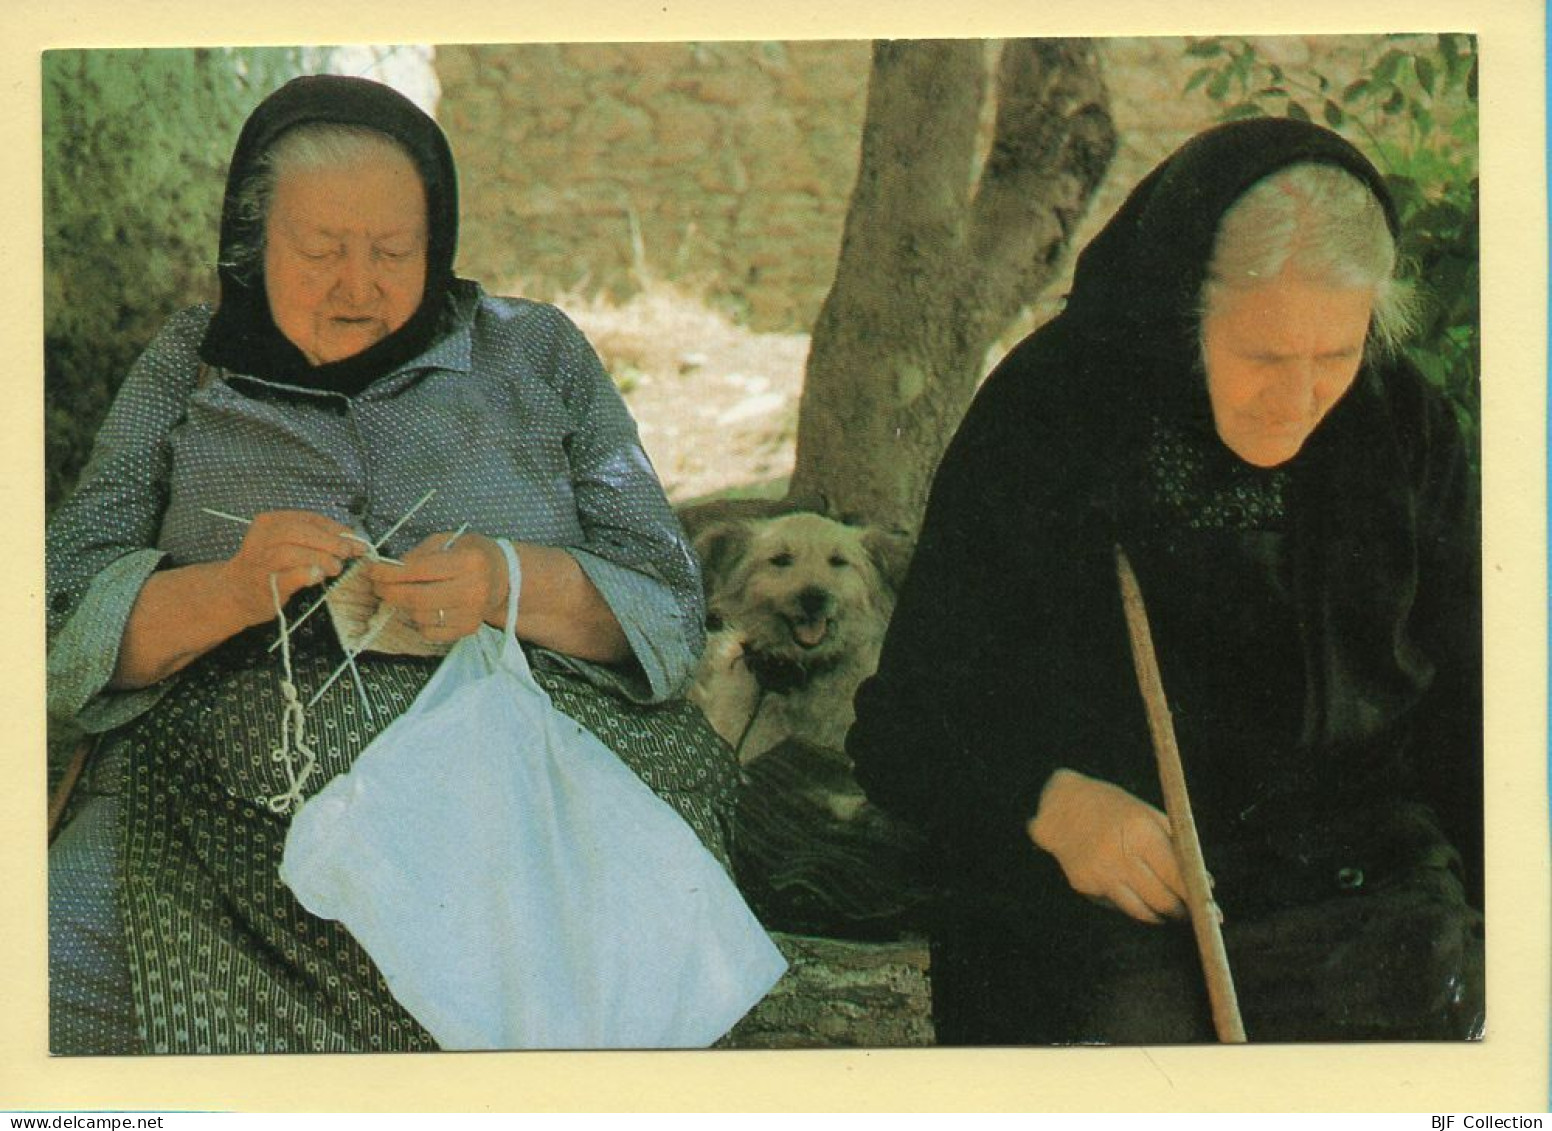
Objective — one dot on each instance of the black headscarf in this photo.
(1137, 283)
(243, 337)
(1137, 286)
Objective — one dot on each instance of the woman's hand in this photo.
(183, 613)
(1113, 847)
(446, 591)
(297, 548)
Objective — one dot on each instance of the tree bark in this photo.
(936, 262)
(839, 994)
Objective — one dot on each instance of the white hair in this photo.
(309, 146)
(1322, 225)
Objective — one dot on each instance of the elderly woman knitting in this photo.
(1221, 398)
(349, 401)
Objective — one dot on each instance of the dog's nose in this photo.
(813, 601)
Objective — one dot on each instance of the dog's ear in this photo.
(890, 549)
(698, 518)
(720, 546)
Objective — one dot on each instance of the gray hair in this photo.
(312, 145)
(1325, 226)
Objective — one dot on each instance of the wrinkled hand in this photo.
(446, 593)
(1112, 847)
(299, 548)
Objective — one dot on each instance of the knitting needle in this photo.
(352, 535)
(367, 641)
(311, 609)
(372, 635)
(285, 649)
(394, 529)
(350, 661)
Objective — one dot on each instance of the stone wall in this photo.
(727, 167)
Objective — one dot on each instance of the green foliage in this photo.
(1413, 109)
(135, 147)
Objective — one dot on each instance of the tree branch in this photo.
(1053, 142)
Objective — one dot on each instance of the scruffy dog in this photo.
(798, 605)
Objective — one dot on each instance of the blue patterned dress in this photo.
(511, 419)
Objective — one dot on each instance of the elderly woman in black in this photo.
(348, 390)
(1221, 397)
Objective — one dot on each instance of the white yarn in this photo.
(294, 753)
(293, 726)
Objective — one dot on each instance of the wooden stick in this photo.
(1177, 804)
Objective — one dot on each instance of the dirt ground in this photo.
(716, 403)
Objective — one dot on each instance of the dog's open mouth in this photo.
(810, 633)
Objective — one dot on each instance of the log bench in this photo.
(842, 994)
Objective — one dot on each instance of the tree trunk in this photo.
(935, 263)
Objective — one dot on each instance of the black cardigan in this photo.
(1331, 662)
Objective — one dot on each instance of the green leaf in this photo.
(1272, 92)
(1296, 112)
(1333, 114)
(1403, 188)
(1430, 365)
(1395, 102)
(1205, 48)
(1198, 77)
(1356, 89)
(1243, 110)
(1219, 86)
(1425, 73)
(1275, 71)
(1389, 66)
(1455, 68)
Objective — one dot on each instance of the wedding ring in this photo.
(441, 619)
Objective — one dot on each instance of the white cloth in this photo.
(516, 884)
